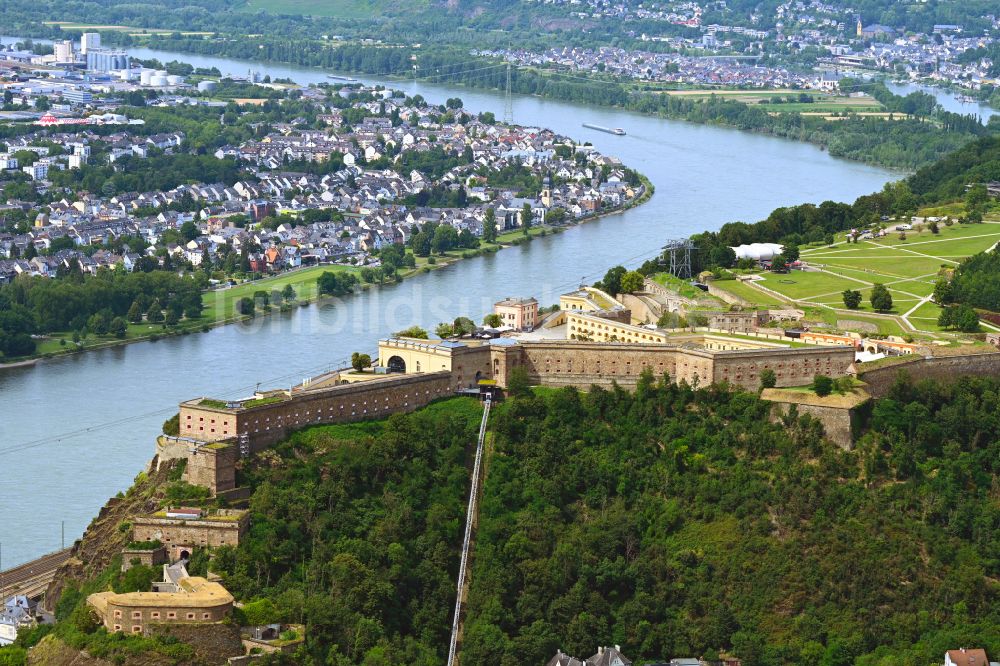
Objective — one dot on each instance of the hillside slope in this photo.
(676, 522)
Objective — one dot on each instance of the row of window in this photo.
(155, 615)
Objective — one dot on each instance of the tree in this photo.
(444, 330)
(881, 299)
(852, 298)
(288, 293)
(190, 231)
(422, 244)
(360, 361)
(822, 385)
(722, 256)
(976, 196)
(135, 313)
(172, 426)
(245, 306)
(172, 317)
(518, 383)
(612, 282)
(445, 238)
(492, 320)
(118, 327)
(943, 292)
(526, 216)
(632, 282)
(463, 326)
(767, 378)
(490, 226)
(155, 312)
(961, 317)
(412, 332)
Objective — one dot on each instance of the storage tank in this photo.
(175, 80)
(207, 86)
(158, 80)
(146, 76)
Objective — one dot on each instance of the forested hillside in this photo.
(672, 521)
(677, 522)
(356, 532)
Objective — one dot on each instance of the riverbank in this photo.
(899, 143)
(221, 304)
(71, 410)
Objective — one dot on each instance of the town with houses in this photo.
(367, 168)
(365, 200)
(834, 37)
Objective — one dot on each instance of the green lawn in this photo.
(800, 284)
(871, 269)
(220, 304)
(679, 286)
(748, 293)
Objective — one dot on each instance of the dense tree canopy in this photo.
(677, 522)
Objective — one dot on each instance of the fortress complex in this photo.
(604, 347)
(179, 598)
(414, 372)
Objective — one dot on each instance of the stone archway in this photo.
(396, 364)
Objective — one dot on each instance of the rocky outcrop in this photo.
(105, 536)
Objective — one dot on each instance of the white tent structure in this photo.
(758, 251)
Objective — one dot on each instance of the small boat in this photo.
(345, 79)
(610, 130)
(965, 99)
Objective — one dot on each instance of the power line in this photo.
(24, 446)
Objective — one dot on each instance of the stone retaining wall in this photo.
(943, 369)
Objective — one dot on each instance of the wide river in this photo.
(76, 430)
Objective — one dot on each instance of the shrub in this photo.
(245, 306)
(767, 378)
(822, 385)
(172, 426)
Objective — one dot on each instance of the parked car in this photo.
(903, 227)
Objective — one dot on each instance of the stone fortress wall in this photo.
(212, 438)
(582, 364)
(943, 369)
(267, 424)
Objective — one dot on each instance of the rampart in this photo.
(943, 369)
(841, 415)
(583, 364)
(266, 423)
(223, 528)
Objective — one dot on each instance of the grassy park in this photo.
(907, 264)
(220, 304)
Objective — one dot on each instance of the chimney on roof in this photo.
(618, 647)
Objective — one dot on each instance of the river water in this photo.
(76, 430)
